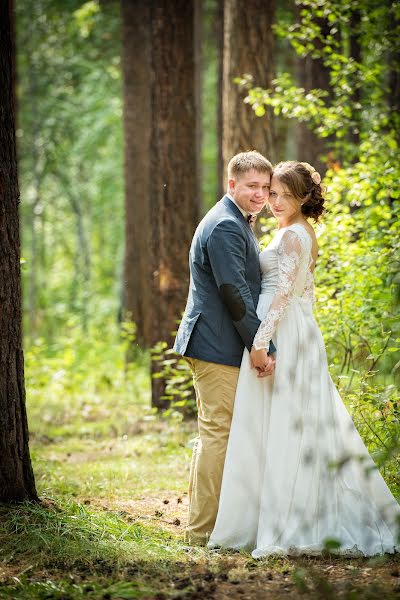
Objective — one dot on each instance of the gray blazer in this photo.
(225, 281)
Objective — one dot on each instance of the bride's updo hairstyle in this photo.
(304, 183)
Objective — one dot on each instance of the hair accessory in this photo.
(316, 177)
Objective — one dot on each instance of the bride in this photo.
(297, 476)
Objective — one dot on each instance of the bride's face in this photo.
(283, 205)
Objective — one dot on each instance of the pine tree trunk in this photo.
(174, 193)
(219, 28)
(16, 475)
(248, 48)
(312, 74)
(394, 70)
(136, 62)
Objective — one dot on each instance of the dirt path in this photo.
(230, 576)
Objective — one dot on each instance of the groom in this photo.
(219, 321)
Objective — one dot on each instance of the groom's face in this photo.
(250, 190)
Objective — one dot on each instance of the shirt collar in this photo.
(244, 213)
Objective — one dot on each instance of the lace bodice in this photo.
(285, 266)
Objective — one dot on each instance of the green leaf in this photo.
(260, 111)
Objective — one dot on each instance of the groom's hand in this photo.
(260, 360)
(269, 369)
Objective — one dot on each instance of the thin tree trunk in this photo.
(355, 53)
(174, 193)
(83, 261)
(248, 48)
(136, 64)
(312, 74)
(16, 476)
(34, 284)
(33, 275)
(310, 147)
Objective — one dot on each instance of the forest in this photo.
(117, 122)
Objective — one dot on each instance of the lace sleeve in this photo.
(289, 252)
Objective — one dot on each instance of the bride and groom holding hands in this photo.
(278, 466)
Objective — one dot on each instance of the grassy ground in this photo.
(113, 479)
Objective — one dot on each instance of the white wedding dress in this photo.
(297, 473)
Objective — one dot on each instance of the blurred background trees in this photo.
(127, 115)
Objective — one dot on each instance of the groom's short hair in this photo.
(246, 161)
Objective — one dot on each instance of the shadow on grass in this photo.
(66, 551)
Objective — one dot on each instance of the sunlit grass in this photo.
(112, 476)
(123, 467)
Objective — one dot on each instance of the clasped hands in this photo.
(260, 360)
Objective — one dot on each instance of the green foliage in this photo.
(376, 413)
(82, 386)
(96, 548)
(179, 381)
(70, 161)
(60, 590)
(357, 276)
(358, 101)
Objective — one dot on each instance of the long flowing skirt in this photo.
(297, 476)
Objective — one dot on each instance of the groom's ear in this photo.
(231, 184)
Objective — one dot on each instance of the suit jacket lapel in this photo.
(234, 210)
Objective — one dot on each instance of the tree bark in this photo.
(355, 52)
(219, 32)
(16, 476)
(248, 48)
(394, 70)
(136, 65)
(198, 35)
(174, 193)
(312, 74)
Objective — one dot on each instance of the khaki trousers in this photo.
(215, 387)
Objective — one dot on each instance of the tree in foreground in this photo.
(16, 476)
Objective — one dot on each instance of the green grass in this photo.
(66, 550)
(116, 467)
(112, 477)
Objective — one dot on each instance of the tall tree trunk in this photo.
(313, 74)
(219, 33)
(248, 45)
(136, 64)
(394, 70)
(174, 193)
(198, 35)
(16, 476)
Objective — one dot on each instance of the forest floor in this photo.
(111, 520)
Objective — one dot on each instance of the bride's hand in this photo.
(269, 369)
(260, 360)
